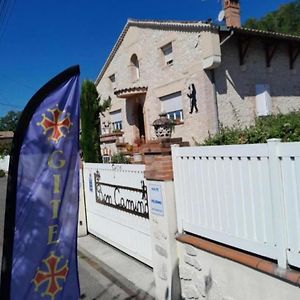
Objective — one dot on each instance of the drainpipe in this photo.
(213, 80)
(228, 38)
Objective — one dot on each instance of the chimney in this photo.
(232, 13)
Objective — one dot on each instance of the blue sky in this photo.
(42, 38)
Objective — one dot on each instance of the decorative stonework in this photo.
(196, 281)
(161, 251)
(185, 273)
(162, 272)
(200, 285)
(163, 126)
(190, 250)
(192, 262)
(190, 292)
(131, 91)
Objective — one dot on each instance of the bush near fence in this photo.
(285, 127)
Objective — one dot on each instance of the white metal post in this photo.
(177, 187)
(277, 202)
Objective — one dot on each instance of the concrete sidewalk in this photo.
(120, 270)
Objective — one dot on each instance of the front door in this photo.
(140, 120)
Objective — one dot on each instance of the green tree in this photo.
(91, 107)
(9, 121)
(285, 20)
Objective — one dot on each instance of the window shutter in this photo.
(263, 100)
(116, 116)
(172, 102)
(168, 53)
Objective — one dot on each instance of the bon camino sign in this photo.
(129, 199)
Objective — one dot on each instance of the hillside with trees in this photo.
(9, 121)
(285, 20)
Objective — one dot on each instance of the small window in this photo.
(116, 120)
(105, 128)
(106, 159)
(172, 105)
(135, 67)
(112, 79)
(263, 100)
(168, 54)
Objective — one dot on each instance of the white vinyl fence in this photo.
(4, 163)
(245, 196)
(117, 207)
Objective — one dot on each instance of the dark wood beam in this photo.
(294, 51)
(270, 48)
(243, 44)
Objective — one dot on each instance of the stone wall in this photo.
(235, 84)
(161, 80)
(207, 276)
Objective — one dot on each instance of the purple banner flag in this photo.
(40, 235)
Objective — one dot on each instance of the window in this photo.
(263, 100)
(105, 128)
(172, 105)
(116, 120)
(135, 67)
(106, 159)
(168, 54)
(112, 79)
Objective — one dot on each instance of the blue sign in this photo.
(156, 202)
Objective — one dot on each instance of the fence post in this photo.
(163, 224)
(277, 202)
(177, 190)
(82, 222)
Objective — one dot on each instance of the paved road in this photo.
(97, 281)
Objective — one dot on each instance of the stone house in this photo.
(238, 74)
(6, 137)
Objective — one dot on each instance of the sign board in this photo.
(156, 202)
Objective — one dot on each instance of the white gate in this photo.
(117, 207)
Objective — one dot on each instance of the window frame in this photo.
(177, 113)
(164, 49)
(116, 120)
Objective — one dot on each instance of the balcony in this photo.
(111, 137)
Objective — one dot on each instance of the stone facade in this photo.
(235, 84)
(207, 276)
(193, 49)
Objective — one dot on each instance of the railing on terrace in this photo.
(245, 196)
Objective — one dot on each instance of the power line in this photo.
(5, 9)
(10, 105)
(18, 82)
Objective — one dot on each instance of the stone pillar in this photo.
(163, 223)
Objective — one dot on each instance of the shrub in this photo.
(2, 173)
(4, 149)
(119, 158)
(285, 127)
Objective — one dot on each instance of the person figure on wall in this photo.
(192, 95)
